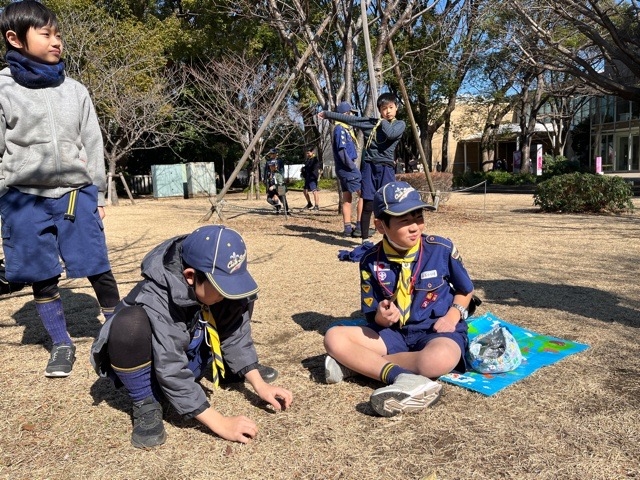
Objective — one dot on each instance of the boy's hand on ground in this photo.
(387, 314)
(236, 429)
(279, 398)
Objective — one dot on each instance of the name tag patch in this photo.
(428, 274)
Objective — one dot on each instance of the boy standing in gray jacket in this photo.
(190, 315)
(52, 175)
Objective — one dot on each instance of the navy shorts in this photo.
(35, 236)
(311, 184)
(405, 340)
(350, 181)
(374, 176)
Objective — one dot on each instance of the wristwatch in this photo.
(464, 313)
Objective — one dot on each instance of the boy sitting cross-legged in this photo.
(415, 293)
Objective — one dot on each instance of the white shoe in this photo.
(409, 393)
(335, 372)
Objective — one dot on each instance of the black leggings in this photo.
(130, 338)
(104, 284)
(365, 220)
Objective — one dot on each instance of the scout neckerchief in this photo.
(405, 284)
(372, 134)
(213, 341)
(349, 129)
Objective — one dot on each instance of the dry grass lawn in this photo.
(570, 276)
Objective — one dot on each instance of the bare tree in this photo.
(122, 64)
(567, 97)
(231, 97)
(440, 50)
(596, 41)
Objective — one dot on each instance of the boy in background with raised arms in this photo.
(381, 137)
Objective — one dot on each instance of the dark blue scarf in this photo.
(32, 74)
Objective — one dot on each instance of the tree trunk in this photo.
(112, 175)
(445, 145)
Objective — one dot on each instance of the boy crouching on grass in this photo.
(415, 295)
(191, 313)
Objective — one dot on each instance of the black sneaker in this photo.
(268, 374)
(148, 429)
(61, 361)
(309, 206)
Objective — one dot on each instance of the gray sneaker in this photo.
(61, 361)
(409, 393)
(148, 429)
(335, 372)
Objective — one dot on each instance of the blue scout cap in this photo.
(396, 199)
(345, 107)
(273, 151)
(220, 253)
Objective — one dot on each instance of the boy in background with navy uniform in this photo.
(190, 314)
(378, 166)
(276, 188)
(310, 172)
(415, 296)
(345, 154)
(52, 175)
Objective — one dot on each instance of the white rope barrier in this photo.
(224, 204)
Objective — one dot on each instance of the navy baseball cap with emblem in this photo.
(396, 199)
(345, 107)
(221, 254)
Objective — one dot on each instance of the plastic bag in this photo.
(494, 352)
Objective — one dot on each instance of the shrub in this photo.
(500, 177)
(468, 179)
(323, 184)
(560, 165)
(584, 192)
(524, 178)
(442, 182)
(497, 177)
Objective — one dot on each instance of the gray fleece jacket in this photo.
(173, 310)
(50, 139)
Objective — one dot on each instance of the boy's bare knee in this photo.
(330, 339)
